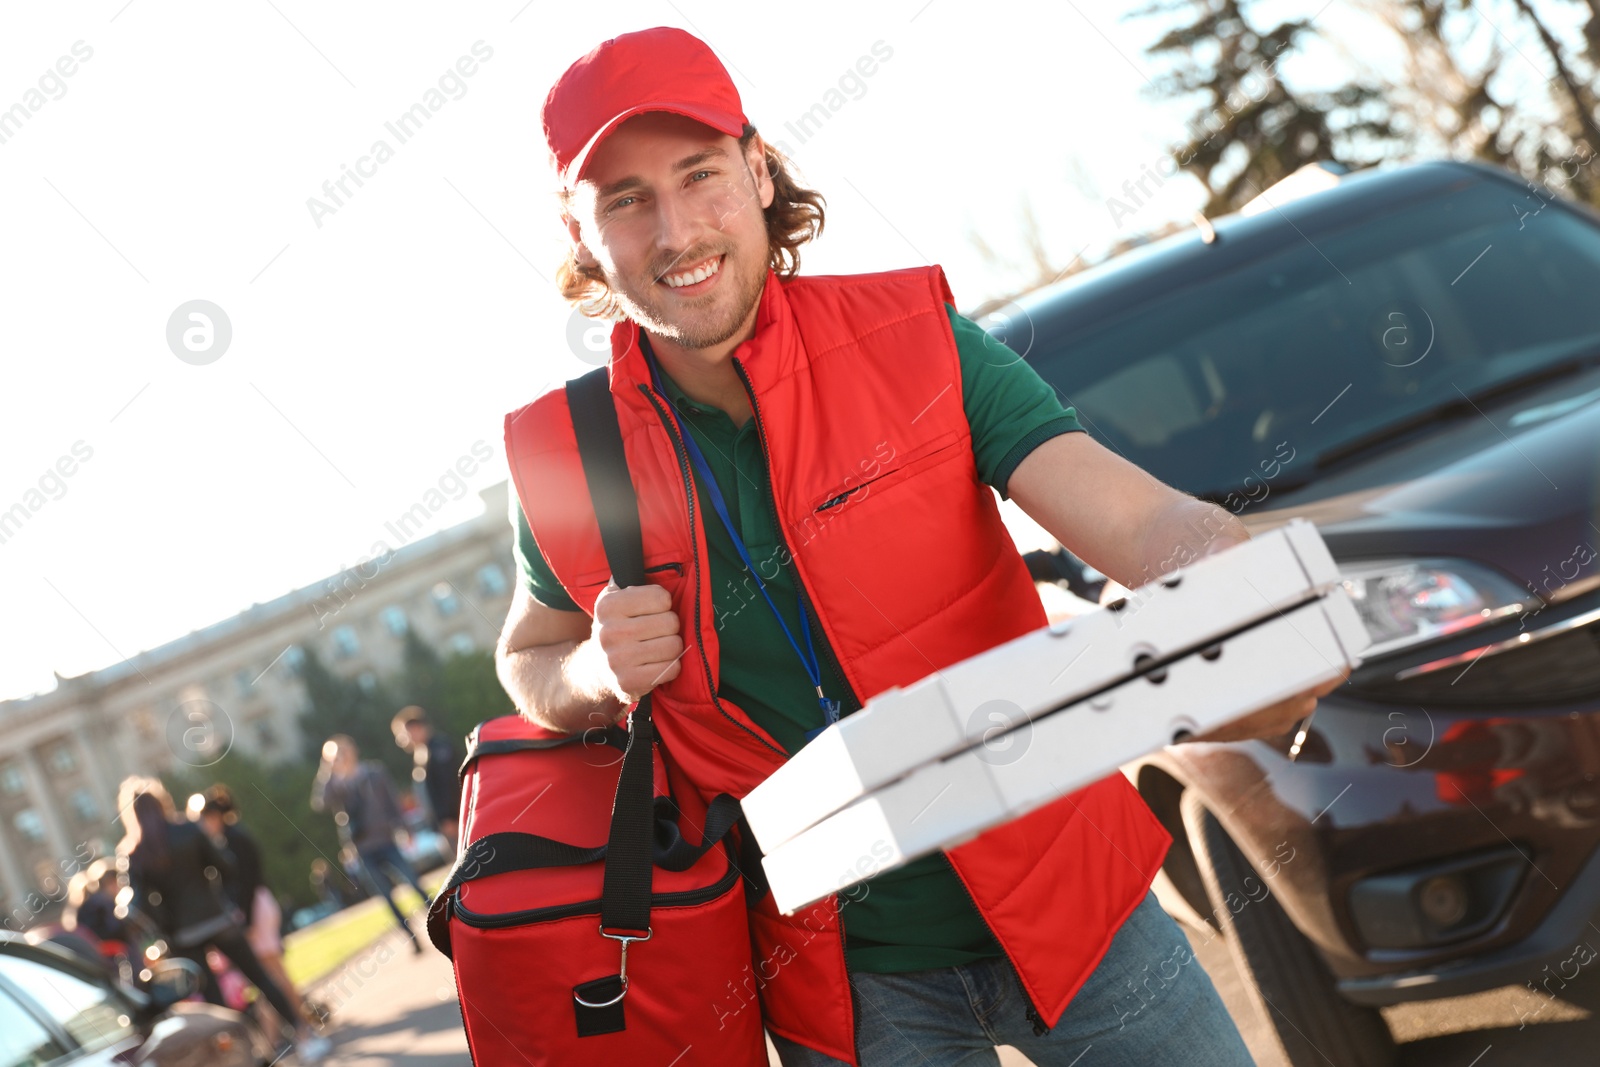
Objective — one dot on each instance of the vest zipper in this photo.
(818, 635)
(1033, 1016)
(855, 1002)
(694, 547)
(821, 638)
(836, 501)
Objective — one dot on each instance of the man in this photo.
(368, 815)
(436, 762)
(794, 442)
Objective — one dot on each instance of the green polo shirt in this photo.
(919, 915)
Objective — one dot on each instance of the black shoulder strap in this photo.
(605, 468)
(625, 892)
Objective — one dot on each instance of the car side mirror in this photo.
(171, 981)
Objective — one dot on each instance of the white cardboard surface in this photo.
(947, 801)
(902, 729)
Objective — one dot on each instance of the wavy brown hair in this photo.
(794, 217)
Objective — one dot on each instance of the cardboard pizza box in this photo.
(947, 801)
(902, 729)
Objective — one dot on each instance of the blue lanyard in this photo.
(808, 658)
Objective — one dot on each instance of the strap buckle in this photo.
(622, 969)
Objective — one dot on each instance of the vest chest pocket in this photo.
(883, 472)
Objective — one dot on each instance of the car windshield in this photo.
(1253, 374)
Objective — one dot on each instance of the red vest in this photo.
(856, 384)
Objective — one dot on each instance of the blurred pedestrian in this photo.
(367, 812)
(246, 886)
(330, 888)
(91, 911)
(92, 903)
(175, 874)
(435, 758)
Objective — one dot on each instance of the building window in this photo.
(367, 681)
(294, 658)
(345, 642)
(62, 760)
(462, 644)
(12, 782)
(491, 580)
(84, 805)
(394, 617)
(444, 598)
(30, 826)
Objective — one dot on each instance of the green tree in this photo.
(470, 692)
(337, 705)
(457, 691)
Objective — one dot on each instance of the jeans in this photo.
(1148, 1002)
(380, 865)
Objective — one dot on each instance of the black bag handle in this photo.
(625, 890)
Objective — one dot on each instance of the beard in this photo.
(702, 322)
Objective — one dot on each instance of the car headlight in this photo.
(1407, 602)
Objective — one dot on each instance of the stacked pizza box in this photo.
(990, 738)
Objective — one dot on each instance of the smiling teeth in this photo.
(678, 281)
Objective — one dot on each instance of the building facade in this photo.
(232, 686)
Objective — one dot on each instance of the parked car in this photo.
(58, 1008)
(1411, 360)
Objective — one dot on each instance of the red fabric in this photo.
(659, 69)
(516, 981)
(856, 380)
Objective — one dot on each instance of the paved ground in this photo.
(395, 1009)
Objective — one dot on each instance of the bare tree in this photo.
(1444, 105)
(1472, 108)
(1251, 128)
(1578, 99)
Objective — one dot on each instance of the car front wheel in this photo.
(1292, 989)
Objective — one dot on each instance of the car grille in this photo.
(1560, 668)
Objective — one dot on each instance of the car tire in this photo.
(1281, 972)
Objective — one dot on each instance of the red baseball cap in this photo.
(659, 69)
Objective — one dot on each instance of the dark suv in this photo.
(1411, 360)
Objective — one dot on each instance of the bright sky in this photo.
(371, 353)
